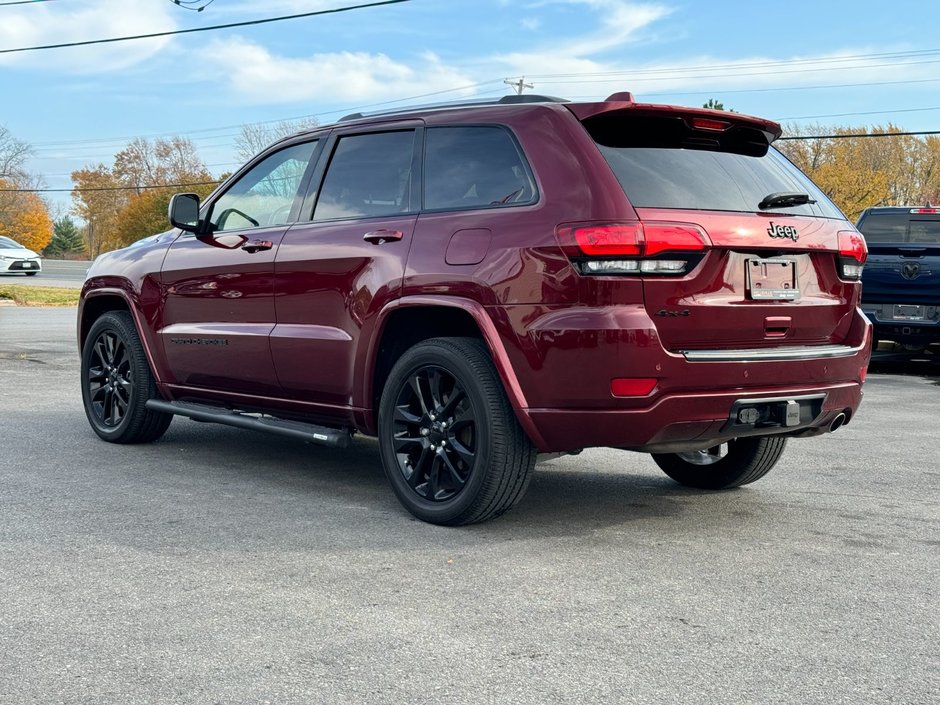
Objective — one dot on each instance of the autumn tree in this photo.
(858, 171)
(122, 203)
(98, 197)
(24, 217)
(146, 214)
(257, 136)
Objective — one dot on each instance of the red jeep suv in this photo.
(477, 284)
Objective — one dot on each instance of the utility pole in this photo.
(519, 85)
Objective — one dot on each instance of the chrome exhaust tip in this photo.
(837, 422)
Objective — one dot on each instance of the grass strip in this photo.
(39, 295)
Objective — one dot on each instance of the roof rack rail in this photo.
(525, 98)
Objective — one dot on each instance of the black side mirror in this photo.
(184, 212)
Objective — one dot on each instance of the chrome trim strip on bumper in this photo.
(799, 352)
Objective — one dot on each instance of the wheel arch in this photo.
(96, 303)
(409, 320)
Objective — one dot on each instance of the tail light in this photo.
(852, 254)
(633, 248)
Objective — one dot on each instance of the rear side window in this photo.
(662, 166)
(369, 175)
(900, 226)
(474, 167)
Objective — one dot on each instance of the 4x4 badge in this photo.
(779, 231)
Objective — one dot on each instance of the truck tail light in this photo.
(852, 254)
(633, 248)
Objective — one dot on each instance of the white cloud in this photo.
(531, 23)
(256, 75)
(37, 25)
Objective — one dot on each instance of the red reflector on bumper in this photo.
(632, 386)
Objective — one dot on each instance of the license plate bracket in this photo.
(908, 312)
(772, 279)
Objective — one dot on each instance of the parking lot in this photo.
(224, 566)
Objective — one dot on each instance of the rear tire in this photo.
(117, 383)
(450, 443)
(746, 460)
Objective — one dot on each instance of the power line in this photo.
(869, 112)
(23, 2)
(760, 64)
(861, 134)
(101, 141)
(246, 23)
(104, 188)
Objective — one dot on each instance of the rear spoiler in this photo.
(697, 118)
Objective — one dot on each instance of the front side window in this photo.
(369, 175)
(264, 196)
(474, 167)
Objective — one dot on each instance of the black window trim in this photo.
(318, 175)
(536, 191)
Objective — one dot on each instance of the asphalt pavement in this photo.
(225, 566)
(69, 274)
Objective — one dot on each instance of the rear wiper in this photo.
(784, 200)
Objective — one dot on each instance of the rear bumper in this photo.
(566, 380)
(920, 332)
(694, 418)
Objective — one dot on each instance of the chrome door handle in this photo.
(257, 246)
(377, 237)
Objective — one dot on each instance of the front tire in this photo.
(117, 382)
(450, 443)
(732, 464)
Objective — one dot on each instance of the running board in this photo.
(323, 435)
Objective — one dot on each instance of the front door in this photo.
(219, 287)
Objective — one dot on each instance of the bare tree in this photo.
(13, 156)
(255, 137)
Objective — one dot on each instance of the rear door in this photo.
(768, 276)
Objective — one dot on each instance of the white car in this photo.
(15, 258)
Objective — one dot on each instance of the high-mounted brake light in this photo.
(700, 123)
(630, 248)
(924, 210)
(852, 254)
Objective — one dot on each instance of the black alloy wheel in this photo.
(435, 432)
(117, 383)
(450, 443)
(110, 379)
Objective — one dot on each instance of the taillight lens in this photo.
(632, 248)
(852, 254)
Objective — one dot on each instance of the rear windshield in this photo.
(669, 168)
(900, 226)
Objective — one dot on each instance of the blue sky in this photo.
(796, 61)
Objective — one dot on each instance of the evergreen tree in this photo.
(66, 238)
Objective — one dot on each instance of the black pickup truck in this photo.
(901, 280)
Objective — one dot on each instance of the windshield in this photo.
(8, 244)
